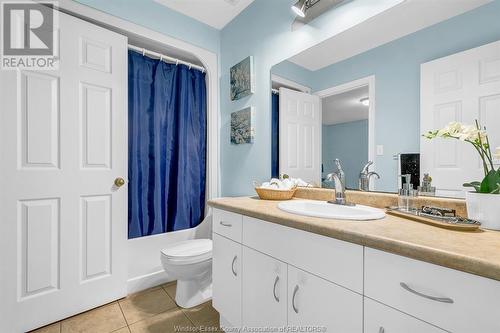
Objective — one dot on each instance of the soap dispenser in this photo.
(407, 195)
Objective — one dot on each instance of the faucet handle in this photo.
(366, 167)
(338, 164)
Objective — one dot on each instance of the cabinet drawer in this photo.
(227, 224)
(226, 275)
(453, 300)
(334, 260)
(383, 319)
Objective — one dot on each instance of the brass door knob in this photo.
(119, 182)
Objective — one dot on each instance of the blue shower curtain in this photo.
(167, 146)
(275, 135)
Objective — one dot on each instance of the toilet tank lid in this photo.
(188, 248)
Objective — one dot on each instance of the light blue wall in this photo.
(293, 72)
(263, 30)
(154, 16)
(349, 143)
(396, 67)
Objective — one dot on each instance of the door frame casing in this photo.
(339, 89)
(286, 83)
(209, 61)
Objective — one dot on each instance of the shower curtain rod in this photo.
(275, 91)
(165, 57)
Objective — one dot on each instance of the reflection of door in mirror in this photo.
(462, 87)
(278, 82)
(299, 135)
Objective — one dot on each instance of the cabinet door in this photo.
(313, 301)
(264, 293)
(383, 319)
(226, 276)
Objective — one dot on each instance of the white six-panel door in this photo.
(461, 87)
(63, 140)
(300, 135)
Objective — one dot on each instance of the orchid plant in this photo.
(477, 137)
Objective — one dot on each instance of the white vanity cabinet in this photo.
(269, 275)
(264, 293)
(380, 318)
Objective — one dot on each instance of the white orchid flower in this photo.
(497, 153)
(470, 133)
(453, 129)
(476, 136)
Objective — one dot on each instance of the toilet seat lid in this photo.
(189, 249)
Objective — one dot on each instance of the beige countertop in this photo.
(473, 252)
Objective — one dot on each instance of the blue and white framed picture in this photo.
(242, 126)
(242, 79)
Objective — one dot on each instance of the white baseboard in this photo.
(147, 281)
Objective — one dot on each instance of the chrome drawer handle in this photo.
(274, 289)
(232, 266)
(437, 299)
(295, 290)
(225, 224)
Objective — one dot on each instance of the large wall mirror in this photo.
(365, 109)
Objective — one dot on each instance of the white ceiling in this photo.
(345, 107)
(216, 13)
(401, 20)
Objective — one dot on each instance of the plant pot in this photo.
(484, 208)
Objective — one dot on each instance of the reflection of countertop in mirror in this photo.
(382, 199)
(473, 252)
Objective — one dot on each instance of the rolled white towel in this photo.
(300, 182)
(284, 184)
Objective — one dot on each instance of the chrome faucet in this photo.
(365, 176)
(339, 178)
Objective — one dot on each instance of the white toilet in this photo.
(190, 262)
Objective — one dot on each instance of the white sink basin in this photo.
(331, 211)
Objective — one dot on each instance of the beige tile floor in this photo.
(150, 311)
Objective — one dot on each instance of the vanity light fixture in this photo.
(365, 101)
(301, 6)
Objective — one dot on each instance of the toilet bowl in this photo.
(190, 263)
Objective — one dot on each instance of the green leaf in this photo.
(475, 185)
(497, 190)
(490, 182)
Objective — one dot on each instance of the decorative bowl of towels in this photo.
(278, 189)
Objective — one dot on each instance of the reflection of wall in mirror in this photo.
(349, 143)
